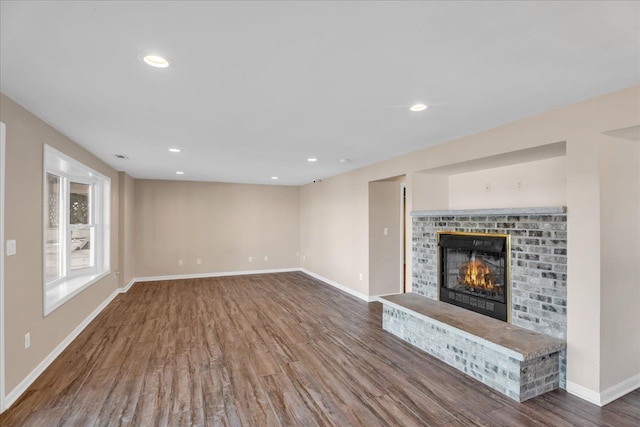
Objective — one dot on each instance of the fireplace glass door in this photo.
(473, 272)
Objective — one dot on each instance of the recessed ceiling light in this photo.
(274, 177)
(179, 173)
(156, 61)
(345, 160)
(312, 159)
(174, 150)
(418, 107)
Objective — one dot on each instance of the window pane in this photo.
(53, 253)
(79, 209)
(81, 248)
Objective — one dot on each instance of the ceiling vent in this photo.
(120, 156)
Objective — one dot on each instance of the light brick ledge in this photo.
(516, 362)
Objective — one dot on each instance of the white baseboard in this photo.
(204, 275)
(126, 287)
(11, 397)
(336, 285)
(35, 373)
(584, 393)
(620, 389)
(244, 273)
(606, 396)
(376, 298)
(247, 272)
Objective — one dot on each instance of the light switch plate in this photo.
(11, 247)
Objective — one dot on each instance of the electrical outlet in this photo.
(266, 258)
(360, 276)
(179, 262)
(386, 231)
(11, 247)
(519, 184)
(250, 259)
(27, 340)
(199, 261)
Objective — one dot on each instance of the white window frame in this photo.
(72, 282)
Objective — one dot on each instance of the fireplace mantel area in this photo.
(522, 357)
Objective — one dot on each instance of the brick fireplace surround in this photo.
(538, 297)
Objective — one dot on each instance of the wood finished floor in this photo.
(276, 349)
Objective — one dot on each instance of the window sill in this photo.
(62, 292)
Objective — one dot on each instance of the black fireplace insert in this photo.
(473, 272)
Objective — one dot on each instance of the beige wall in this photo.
(537, 183)
(334, 233)
(220, 224)
(385, 261)
(431, 192)
(127, 235)
(583, 262)
(334, 213)
(25, 137)
(328, 223)
(620, 271)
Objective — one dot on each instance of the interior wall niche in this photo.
(523, 178)
(537, 183)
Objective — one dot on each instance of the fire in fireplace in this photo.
(474, 272)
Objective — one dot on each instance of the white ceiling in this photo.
(257, 87)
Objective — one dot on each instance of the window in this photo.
(76, 228)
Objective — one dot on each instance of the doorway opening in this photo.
(403, 249)
(387, 236)
(2, 216)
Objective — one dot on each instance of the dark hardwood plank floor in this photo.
(275, 349)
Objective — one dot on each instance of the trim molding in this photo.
(337, 285)
(38, 370)
(15, 394)
(620, 389)
(128, 286)
(600, 399)
(583, 393)
(606, 396)
(377, 298)
(247, 272)
(3, 401)
(203, 275)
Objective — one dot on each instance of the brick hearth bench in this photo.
(514, 361)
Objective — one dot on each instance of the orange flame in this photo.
(477, 275)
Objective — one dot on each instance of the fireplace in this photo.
(473, 272)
